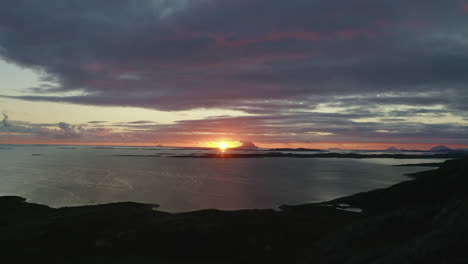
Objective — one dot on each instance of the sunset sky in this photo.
(297, 73)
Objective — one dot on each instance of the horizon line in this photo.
(427, 146)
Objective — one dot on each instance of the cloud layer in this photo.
(383, 69)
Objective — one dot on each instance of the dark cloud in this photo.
(8, 127)
(68, 131)
(12, 130)
(265, 57)
(141, 122)
(5, 122)
(97, 122)
(178, 54)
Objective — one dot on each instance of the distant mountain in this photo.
(441, 149)
(247, 145)
(392, 149)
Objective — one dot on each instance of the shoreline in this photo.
(295, 155)
(433, 205)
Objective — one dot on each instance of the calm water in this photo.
(86, 175)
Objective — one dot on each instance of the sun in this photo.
(223, 146)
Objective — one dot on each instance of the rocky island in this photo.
(418, 221)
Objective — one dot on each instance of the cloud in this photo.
(68, 131)
(294, 128)
(15, 130)
(7, 127)
(288, 59)
(5, 122)
(173, 55)
(97, 122)
(141, 122)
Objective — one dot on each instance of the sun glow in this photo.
(223, 146)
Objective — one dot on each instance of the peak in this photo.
(392, 149)
(247, 145)
(441, 148)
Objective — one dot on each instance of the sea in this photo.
(61, 176)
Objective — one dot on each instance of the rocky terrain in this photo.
(419, 221)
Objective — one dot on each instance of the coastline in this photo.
(408, 216)
(453, 155)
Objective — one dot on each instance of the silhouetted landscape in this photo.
(234, 131)
(417, 221)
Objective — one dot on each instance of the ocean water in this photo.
(69, 176)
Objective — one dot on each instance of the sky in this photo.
(299, 73)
